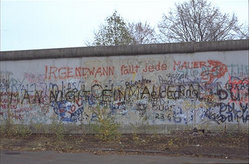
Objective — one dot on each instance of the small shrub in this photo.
(106, 129)
(170, 143)
(2, 130)
(134, 134)
(23, 130)
(58, 129)
(38, 127)
(135, 138)
(11, 130)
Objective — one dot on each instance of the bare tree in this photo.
(142, 33)
(242, 32)
(198, 20)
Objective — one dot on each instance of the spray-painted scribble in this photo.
(161, 89)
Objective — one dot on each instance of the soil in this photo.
(198, 144)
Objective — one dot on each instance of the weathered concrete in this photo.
(154, 87)
(131, 50)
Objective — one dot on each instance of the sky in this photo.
(45, 24)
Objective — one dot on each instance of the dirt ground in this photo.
(233, 146)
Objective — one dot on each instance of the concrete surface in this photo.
(155, 88)
(7, 157)
(131, 50)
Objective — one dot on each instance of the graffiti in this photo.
(210, 69)
(129, 69)
(157, 67)
(4, 79)
(162, 91)
(227, 112)
(238, 70)
(239, 89)
(33, 78)
(177, 78)
(69, 102)
(52, 72)
(217, 70)
(68, 111)
(190, 65)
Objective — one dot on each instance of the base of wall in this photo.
(138, 129)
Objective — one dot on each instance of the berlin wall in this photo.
(183, 84)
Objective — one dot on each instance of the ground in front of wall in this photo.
(201, 145)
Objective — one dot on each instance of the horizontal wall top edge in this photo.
(131, 50)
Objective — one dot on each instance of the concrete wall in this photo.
(159, 85)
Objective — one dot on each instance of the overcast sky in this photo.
(39, 24)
